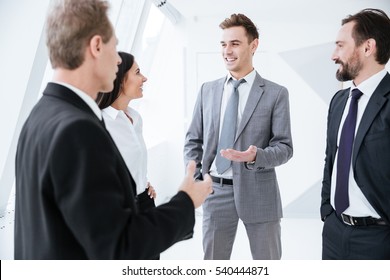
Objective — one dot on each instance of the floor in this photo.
(7, 229)
(301, 240)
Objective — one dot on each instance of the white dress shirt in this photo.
(358, 203)
(243, 93)
(130, 142)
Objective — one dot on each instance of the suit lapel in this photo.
(338, 110)
(376, 102)
(253, 98)
(217, 92)
(62, 92)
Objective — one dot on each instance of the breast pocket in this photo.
(377, 146)
(260, 121)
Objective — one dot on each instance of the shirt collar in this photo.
(85, 97)
(249, 79)
(368, 86)
(111, 112)
(114, 113)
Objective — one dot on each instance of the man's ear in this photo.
(254, 45)
(369, 47)
(95, 45)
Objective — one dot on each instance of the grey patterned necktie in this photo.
(228, 132)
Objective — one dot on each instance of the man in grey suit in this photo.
(248, 190)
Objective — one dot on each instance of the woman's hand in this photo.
(151, 191)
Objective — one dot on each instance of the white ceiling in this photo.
(277, 10)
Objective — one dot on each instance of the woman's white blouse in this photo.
(130, 142)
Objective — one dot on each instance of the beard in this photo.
(350, 69)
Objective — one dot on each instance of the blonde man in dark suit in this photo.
(75, 198)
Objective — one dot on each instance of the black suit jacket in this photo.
(371, 152)
(74, 194)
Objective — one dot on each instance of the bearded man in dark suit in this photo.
(355, 204)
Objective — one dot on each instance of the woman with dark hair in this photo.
(125, 124)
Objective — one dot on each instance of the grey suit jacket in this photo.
(266, 124)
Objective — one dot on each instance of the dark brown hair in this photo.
(244, 21)
(106, 99)
(372, 24)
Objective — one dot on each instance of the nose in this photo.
(334, 56)
(227, 49)
(145, 79)
(119, 59)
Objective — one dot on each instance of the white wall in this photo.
(162, 109)
(295, 42)
(308, 110)
(23, 59)
(22, 22)
(295, 50)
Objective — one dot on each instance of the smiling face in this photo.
(347, 54)
(237, 51)
(133, 83)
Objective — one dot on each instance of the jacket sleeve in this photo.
(280, 148)
(193, 146)
(326, 207)
(94, 193)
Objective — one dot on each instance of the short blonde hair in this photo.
(70, 25)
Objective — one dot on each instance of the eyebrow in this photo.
(232, 41)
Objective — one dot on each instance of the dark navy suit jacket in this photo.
(74, 194)
(371, 152)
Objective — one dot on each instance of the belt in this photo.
(362, 221)
(222, 181)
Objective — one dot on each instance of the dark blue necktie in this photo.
(228, 132)
(345, 153)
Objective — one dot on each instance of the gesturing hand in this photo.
(245, 156)
(197, 190)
